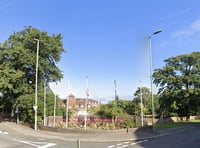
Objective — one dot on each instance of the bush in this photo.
(128, 123)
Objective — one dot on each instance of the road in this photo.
(9, 138)
(185, 139)
(12, 139)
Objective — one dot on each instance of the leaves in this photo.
(18, 64)
(178, 81)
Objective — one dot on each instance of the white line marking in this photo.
(5, 133)
(119, 144)
(133, 143)
(48, 145)
(36, 144)
(126, 144)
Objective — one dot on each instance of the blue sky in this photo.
(106, 40)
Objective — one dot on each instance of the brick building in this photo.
(79, 104)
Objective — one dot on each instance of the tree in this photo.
(111, 110)
(179, 84)
(127, 106)
(146, 100)
(17, 65)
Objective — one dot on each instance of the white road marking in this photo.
(4, 133)
(48, 145)
(126, 144)
(36, 144)
(138, 142)
(119, 144)
(111, 146)
(133, 143)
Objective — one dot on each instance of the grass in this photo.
(175, 124)
(195, 121)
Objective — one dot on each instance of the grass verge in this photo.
(175, 124)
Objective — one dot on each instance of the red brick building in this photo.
(79, 104)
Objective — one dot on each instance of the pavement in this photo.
(134, 134)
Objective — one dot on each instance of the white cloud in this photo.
(189, 31)
(196, 26)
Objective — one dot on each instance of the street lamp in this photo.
(36, 79)
(67, 105)
(115, 83)
(150, 58)
(86, 103)
(141, 107)
(44, 102)
(151, 80)
(54, 111)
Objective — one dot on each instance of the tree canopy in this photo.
(18, 65)
(179, 84)
(145, 94)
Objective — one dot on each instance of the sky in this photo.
(107, 40)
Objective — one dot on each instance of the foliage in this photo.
(127, 106)
(17, 69)
(111, 110)
(24, 105)
(144, 94)
(128, 123)
(179, 85)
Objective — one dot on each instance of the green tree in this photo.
(111, 110)
(24, 105)
(127, 106)
(146, 100)
(17, 65)
(179, 84)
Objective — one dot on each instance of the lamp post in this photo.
(67, 108)
(141, 107)
(115, 84)
(151, 80)
(87, 95)
(36, 79)
(45, 102)
(54, 111)
(67, 112)
(54, 108)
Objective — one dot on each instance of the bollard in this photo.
(127, 130)
(78, 144)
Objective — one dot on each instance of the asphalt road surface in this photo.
(185, 139)
(188, 138)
